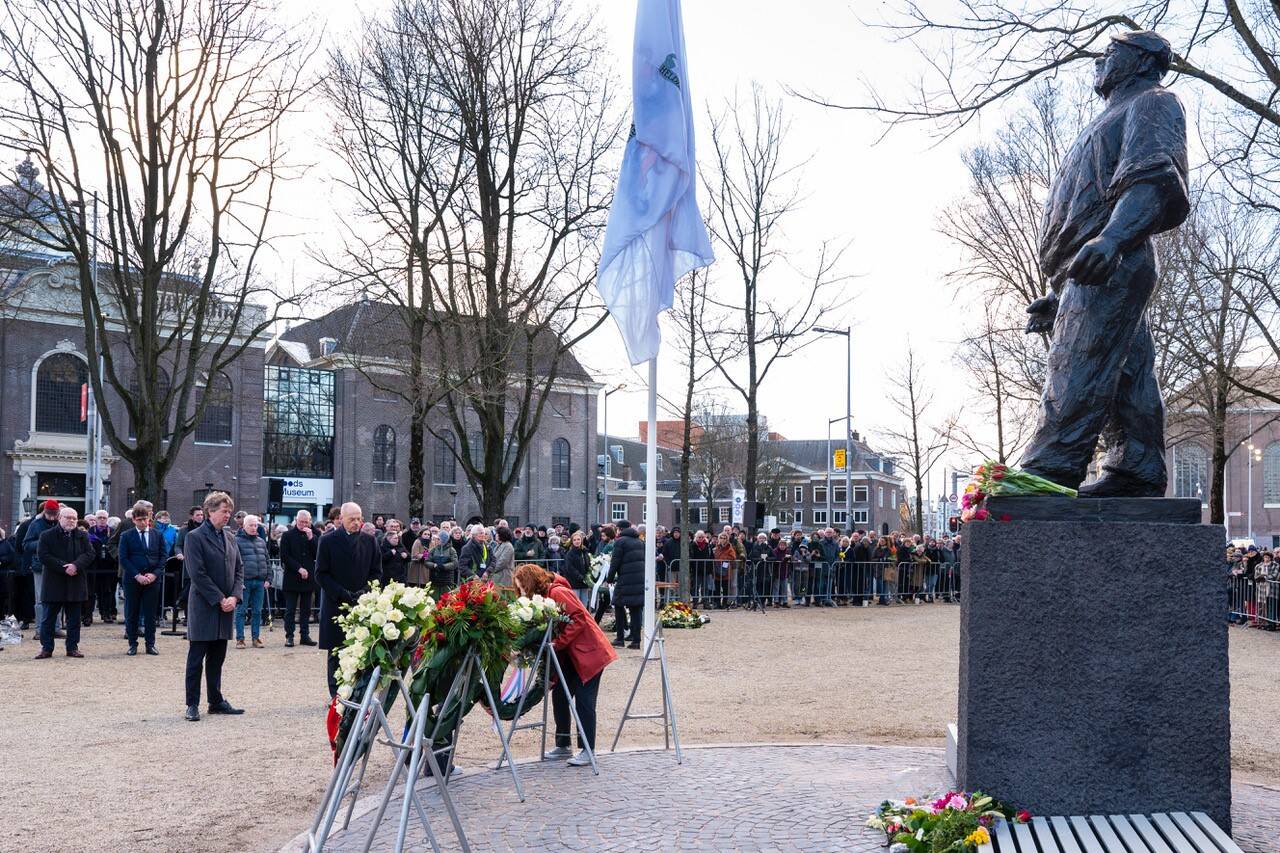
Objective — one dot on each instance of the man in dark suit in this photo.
(141, 558)
(66, 556)
(216, 580)
(298, 559)
(346, 562)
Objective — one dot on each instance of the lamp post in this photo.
(1255, 455)
(848, 418)
(29, 505)
(608, 458)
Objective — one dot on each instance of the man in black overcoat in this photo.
(215, 577)
(298, 561)
(347, 561)
(65, 556)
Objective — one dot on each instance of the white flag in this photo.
(655, 233)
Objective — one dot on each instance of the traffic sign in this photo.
(954, 497)
(840, 458)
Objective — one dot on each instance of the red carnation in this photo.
(439, 636)
(473, 617)
(1024, 816)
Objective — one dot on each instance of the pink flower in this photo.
(981, 515)
(957, 801)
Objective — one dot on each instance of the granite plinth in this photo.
(1060, 508)
(1094, 669)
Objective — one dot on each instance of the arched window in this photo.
(1271, 473)
(61, 394)
(1190, 472)
(560, 465)
(215, 422)
(384, 454)
(445, 465)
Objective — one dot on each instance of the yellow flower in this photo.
(979, 836)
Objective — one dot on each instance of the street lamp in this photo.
(1255, 455)
(29, 505)
(608, 458)
(848, 427)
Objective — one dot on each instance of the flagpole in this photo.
(651, 503)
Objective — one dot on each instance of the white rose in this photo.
(538, 599)
(395, 616)
(362, 633)
(410, 597)
(345, 691)
(367, 598)
(390, 631)
(410, 631)
(524, 599)
(378, 618)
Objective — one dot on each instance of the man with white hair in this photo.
(298, 559)
(476, 555)
(65, 556)
(347, 561)
(257, 577)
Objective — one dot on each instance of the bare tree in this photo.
(769, 313)
(519, 99)
(169, 113)
(402, 175)
(917, 444)
(719, 443)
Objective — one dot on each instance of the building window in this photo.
(839, 495)
(445, 464)
(297, 422)
(820, 494)
(893, 499)
(618, 510)
(819, 517)
(880, 496)
(215, 421)
(384, 454)
(644, 512)
(724, 514)
(840, 517)
(702, 515)
(562, 520)
(1271, 474)
(61, 394)
(797, 515)
(560, 464)
(860, 494)
(861, 516)
(1190, 472)
(799, 495)
(784, 517)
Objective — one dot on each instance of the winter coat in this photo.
(346, 564)
(475, 558)
(503, 564)
(253, 554)
(725, 557)
(576, 565)
(626, 568)
(529, 550)
(299, 552)
(31, 542)
(442, 565)
(56, 548)
(7, 556)
(215, 571)
(395, 561)
(581, 639)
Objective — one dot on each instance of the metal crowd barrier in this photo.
(1254, 602)
(717, 584)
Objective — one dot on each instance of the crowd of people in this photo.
(1253, 577)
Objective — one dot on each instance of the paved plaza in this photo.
(752, 798)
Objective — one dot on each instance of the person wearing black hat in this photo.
(1122, 182)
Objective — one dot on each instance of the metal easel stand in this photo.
(670, 731)
(173, 629)
(546, 658)
(458, 691)
(340, 785)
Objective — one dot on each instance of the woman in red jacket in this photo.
(583, 652)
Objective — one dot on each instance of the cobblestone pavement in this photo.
(753, 798)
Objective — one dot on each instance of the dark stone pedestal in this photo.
(1093, 667)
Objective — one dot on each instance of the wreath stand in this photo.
(546, 658)
(670, 731)
(370, 720)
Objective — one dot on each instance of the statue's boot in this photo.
(1118, 484)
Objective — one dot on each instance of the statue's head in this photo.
(1142, 54)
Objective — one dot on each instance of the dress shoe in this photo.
(239, 644)
(307, 641)
(288, 642)
(193, 713)
(151, 650)
(133, 650)
(257, 644)
(75, 653)
(44, 655)
(619, 643)
(225, 707)
(634, 645)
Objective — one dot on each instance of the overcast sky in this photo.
(883, 197)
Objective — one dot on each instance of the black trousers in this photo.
(620, 620)
(300, 601)
(104, 589)
(50, 623)
(23, 600)
(207, 655)
(140, 607)
(584, 700)
(331, 671)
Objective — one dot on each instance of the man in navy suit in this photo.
(346, 562)
(141, 562)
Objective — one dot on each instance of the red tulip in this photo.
(1024, 816)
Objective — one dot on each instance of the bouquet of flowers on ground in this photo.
(956, 822)
(532, 615)
(677, 614)
(382, 629)
(994, 478)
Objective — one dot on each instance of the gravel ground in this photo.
(103, 738)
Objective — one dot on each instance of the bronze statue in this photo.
(1124, 180)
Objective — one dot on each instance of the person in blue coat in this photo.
(141, 552)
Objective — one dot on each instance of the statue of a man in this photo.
(1124, 180)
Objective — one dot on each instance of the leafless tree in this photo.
(719, 450)
(917, 443)
(533, 121)
(402, 175)
(768, 312)
(166, 116)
